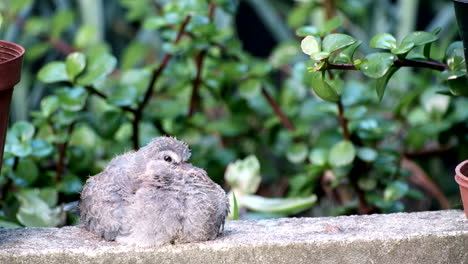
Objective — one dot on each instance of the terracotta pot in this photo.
(461, 178)
(11, 58)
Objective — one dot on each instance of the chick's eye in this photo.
(167, 158)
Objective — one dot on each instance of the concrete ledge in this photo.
(426, 237)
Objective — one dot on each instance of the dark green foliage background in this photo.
(88, 68)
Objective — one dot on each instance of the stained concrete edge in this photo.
(424, 237)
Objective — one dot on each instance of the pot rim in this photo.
(460, 178)
(12, 46)
(461, 1)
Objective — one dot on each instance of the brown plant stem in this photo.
(195, 98)
(343, 121)
(59, 45)
(430, 64)
(149, 90)
(62, 153)
(199, 58)
(277, 109)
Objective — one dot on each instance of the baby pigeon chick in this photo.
(153, 197)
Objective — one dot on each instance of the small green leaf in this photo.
(381, 83)
(403, 48)
(287, 206)
(323, 89)
(71, 184)
(154, 23)
(49, 104)
(235, 211)
(250, 88)
(307, 31)
(383, 41)
(367, 154)
(455, 57)
(331, 25)
(346, 55)
(34, 211)
(27, 170)
(342, 154)
(418, 38)
(23, 130)
(72, 99)
(376, 65)
(53, 72)
(320, 55)
(41, 148)
(124, 96)
(395, 191)
(297, 153)
(3, 223)
(60, 21)
(75, 64)
(334, 42)
(318, 156)
(22, 149)
(86, 35)
(310, 45)
(98, 67)
(107, 123)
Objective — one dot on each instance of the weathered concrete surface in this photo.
(426, 237)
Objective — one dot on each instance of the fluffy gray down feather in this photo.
(153, 197)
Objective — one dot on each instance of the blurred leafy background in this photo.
(229, 78)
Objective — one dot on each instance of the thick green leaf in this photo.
(307, 31)
(27, 170)
(55, 71)
(287, 206)
(310, 45)
(331, 25)
(284, 53)
(381, 83)
(154, 23)
(49, 104)
(72, 99)
(98, 67)
(367, 154)
(395, 191)
(403, 48)
(60, 21)
(455, 57)
(458, 86)
(297, 153)
(3, 223)
(318, 156)
(75, 64)
(336, 41)
(383, 41)
(376, 65)
(108, 123)
(23, 130)
(86, 35)
(346, 55)
(41, 148)
(419, 38)
(124, 96)
(21, 149)
(342, 154)
(71, 184)
(34, 211)
(235, 211)
(323, 89)
(320, 55)
(250, 88)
